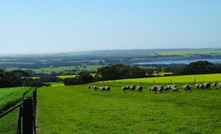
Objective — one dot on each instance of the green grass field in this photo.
(8, 123)
(10, 96)
(169, 79)
(75, 109)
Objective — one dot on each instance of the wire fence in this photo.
(149, 82)
(9, 121)
(20, 119)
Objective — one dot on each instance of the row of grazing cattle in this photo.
(186, 87)
(160, 88)
(132, 88)
(207, 85)
(102, 88)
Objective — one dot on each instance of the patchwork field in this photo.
(65, 69)
(186, 52)
(73, 63)
(77, 109)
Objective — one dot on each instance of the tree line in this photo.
(198, 67)
(120, 71)
(18, 78)
(112, 72)
(13, 78)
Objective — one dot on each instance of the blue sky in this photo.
(53, 26)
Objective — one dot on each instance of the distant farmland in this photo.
(73, 63)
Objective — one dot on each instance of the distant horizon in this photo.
(52, 53)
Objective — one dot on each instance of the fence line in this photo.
(34, 110)
(9, 110)
(191, 81)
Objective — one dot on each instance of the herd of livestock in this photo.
(160, 88)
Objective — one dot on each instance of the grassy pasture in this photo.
(56, 84)
(66, 76)
(10, 96)
(8, 123)
(176, 79)
(165, 79)
(75, 109)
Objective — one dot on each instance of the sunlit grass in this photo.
(10, 96)
(177, 79)
(66, 76)
(76, 109)
(70, 76)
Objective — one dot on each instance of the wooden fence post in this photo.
(27, 125)
(34, 109)
(34, 102)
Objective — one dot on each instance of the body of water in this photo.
(186, 61)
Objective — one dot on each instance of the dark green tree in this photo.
(150, 71)
(85, 77)
(198, 67)
(119, 71)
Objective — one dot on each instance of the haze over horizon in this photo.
(54, 26)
